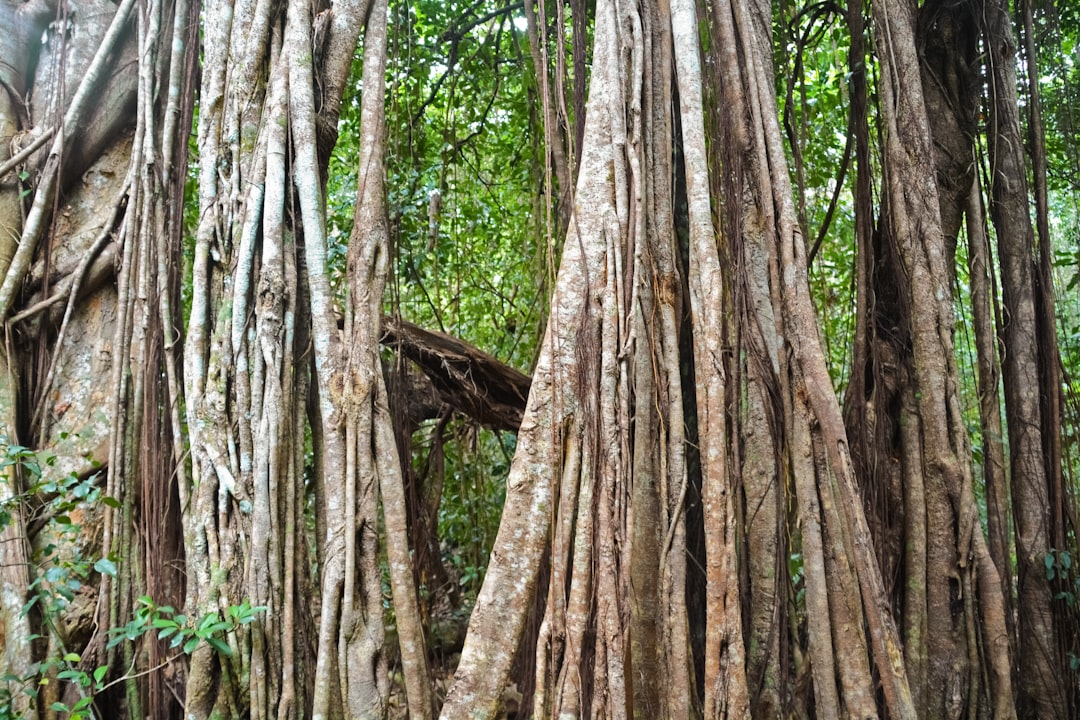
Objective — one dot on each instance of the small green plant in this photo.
(1059, 572)
(60, 571)
(180, 631)
(1058, 565)
(185, 635)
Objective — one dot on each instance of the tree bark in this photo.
(1041, 686)
(615, 300)
(956, 554)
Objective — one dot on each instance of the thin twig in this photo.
(14, 161)
(127, 676)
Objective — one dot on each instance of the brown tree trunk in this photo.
(1041, 682)
(259, 261)
(989, 387)
(366, 399)
(774, 239)
(17, 632)
(74, 336)
(1049, 354)
(957, 560)
(617, 288)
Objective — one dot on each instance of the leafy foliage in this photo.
(461, 172)
(60, 572)
(463, 186)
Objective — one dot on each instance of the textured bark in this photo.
(947, 39)
(764, 549)
(682, 362)
(25, 23)
(916, 230)
(819, 632)
(999, 538)
(368, 260)
(261, 301)
(769, 227)
(884, 456)
(947, 36)
(350, 668)
(957, 560)
(1050, 374)
(15, 554)
(468, 379)
(65, 404)
(237, 467)
(56, 166)
(557, 440)
(618, 558)
(1041, 683)
(1051, 370)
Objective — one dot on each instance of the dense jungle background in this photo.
(572, 358)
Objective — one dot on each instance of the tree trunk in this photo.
(957, 562)
(24, 25)
(1042, 685)
(989, 388)
(700, 528)
(617, 289)
(811, 409)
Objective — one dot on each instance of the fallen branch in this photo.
(471, 381)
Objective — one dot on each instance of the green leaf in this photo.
(111, 502)
(220, 645)
(214, 629)
(105, 566)
(245, 614)
(26, 608)
(72, 658)
(74, 675)
(99, 674)
(190, 645)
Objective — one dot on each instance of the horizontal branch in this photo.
(468, 379)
